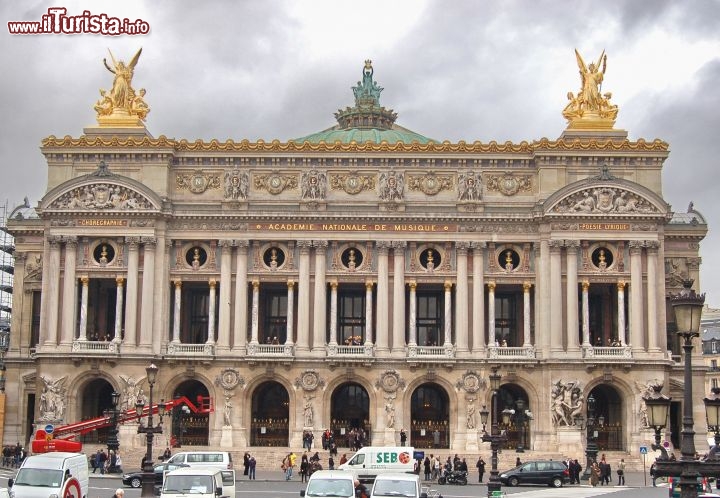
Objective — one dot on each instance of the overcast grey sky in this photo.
(453, 70)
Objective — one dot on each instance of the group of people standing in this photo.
(106, 462)
(601, 472)
(249, 464)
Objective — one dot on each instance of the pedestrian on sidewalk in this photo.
(481, 468)
(653, 473)
(304, 467)
(251, 468)
(621, 472)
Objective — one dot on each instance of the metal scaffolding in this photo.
(7, 272)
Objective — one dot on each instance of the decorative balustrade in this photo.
(183, 349)
(96, 347)
(271, 350)
(354, 351)
(607, 352)
(511, 352)
(431, 352)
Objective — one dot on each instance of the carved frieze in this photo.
(313, 185)
(197, 181)
(229, 379)
(102, 196)
(430, 183)
(236, 184)
(509, 184)
(392, 186)
(604, 200)
(275, 182)
(390, 381)
(352, 183)
(471, 382)
(309, 380)
(469, 186)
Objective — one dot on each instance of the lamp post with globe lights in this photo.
(688, 307)
(148, 478)
(495, 438)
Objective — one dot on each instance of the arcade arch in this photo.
(95, 399)
(515, 399)
(605, 420)
(270, 414)
(350, 414)
(190, 428)
(430, 417)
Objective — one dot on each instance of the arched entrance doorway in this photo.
(604, 416)
(190, 428)
(514, 401)
(96, 398)
(350, 415)
(270, 414)
(430, 416)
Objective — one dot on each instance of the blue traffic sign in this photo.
(643, 450)
(49, 429)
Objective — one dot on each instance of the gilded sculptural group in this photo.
(122, 100)
(591, 107)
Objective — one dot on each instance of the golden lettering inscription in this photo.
(353, 227)
(604, 226)
(103, 223)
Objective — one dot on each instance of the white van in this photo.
(45, 475)
(330, 483)
(394, 484)
(215, 459)
(199, 483)
(370, 461)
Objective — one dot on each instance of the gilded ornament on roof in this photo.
(590, 108)
(122, 106)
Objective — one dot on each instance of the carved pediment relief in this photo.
(102, 196)
(604, 200)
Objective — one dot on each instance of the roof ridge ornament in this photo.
(591, 109)
(367, 112)
(367, 92)
(122, 106)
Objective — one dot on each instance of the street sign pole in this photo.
(643, 452)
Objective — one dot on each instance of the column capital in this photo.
(635, 246)
(54, 241)
(212, 283)
(369, 285)
(226, 244)
(85, 280)
(320, 246)
(70, 240)
(119, 280)
(555, 244)
(178, 284)
(333, 284)
(447, 285)
(585, 285)
(256, 284)
(478, 246)
(399, 244)
(527, 286)
(383, 246)
(149, 242)
(621, 284)
(291, 284)
(491, 286)
(652, 246)
(462, 247)
(242, 244)
(132, 242)
(572, 245)
(412, 284)
(304, 246)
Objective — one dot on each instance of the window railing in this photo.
(511, 352)
(431, 352)
(608, 352)
(363, 351)
(271, 350)
(182, 349)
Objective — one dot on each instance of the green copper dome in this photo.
(367, 121)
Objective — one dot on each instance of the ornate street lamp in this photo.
(148, 479)
(494, 438)
(688, 309)
(712, 414)
(522, 418)
(591, 447)
(113, 444)
(658, 406)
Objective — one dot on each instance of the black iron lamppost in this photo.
(494, 438)
(688, 309)
(591, 447)
(148, 479)
(183, 414)
(522, 418)
(658, 406)
(712, 414)
(113, 444)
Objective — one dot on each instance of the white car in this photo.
(397, 484)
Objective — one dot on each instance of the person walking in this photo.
(594, 474)
(291, 465)
(403, 437)
(426, 467)
(251, 467)
(621, 472)
(481, 468)
(246, 463)
(102, 459)
(304, 467)
(94, 461)
(653, 473)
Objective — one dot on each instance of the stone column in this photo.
(53, 294)
(412, 333)
(163, 300)
(621, 312)
(448, 312)
(333, 312)
(527, 339)
(320, 306)
(19, 300)
(491, 314)
(254, 318)
(652, 285)
(556, 322)
(118, 333)
(636, 297)
(224, 317)
(241, 295)
(461, 299)
(542, 303)
(83, 307)
(398, 346)
(290, 312)
(133, 245)
(368, 313)
(69, 292)
(176, 311)
(148, 290)
(478, 307)
(573, 325)
(211, 311)
(586, 312)
(382, 340)
(303, 339)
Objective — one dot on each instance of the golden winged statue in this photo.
(122, 102)
(591, 108)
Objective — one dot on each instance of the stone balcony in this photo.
(99, 348)
(511, 352)
(607, 352)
